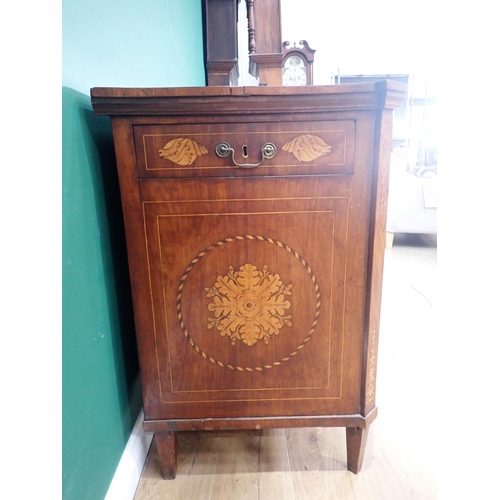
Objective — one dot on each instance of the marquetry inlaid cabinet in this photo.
(255, 223)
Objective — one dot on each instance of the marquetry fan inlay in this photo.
(249, 305)
(182, 151)
(307, 147)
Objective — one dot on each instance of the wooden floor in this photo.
(309, 464)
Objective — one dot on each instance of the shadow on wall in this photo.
(100, 163)
(118, 281)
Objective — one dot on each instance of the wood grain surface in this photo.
(256, 282)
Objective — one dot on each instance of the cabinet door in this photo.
(256, 298)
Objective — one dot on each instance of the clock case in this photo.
(305, 53)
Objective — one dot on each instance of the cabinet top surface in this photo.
(115, 101)
(217, 91)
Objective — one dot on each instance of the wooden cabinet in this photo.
(256, 287)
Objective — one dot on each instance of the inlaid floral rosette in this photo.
(248, 305)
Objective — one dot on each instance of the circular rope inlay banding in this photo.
(220, 243)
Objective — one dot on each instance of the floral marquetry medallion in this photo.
(245, 316)
(249, 305)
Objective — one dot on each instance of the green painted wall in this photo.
(106, 43)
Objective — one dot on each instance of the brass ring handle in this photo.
(223, 149)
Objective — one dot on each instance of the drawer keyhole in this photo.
(244, 152)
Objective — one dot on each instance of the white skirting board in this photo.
(127, 475)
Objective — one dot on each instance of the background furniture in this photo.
(255, 222)
(412, 203)
(297, 63)
(220, 21)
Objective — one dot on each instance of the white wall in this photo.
(359, 37)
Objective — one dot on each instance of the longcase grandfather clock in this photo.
(297, 63)
(255, 224)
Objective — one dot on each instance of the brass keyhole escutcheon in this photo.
(244, 151)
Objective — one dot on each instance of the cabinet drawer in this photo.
(301, 148)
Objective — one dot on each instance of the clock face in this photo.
(294, 71)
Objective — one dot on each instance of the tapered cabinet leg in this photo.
(356, 444)
(167, 450)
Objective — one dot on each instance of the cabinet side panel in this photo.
(137, 256)
(359, 209)
(376, 249)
